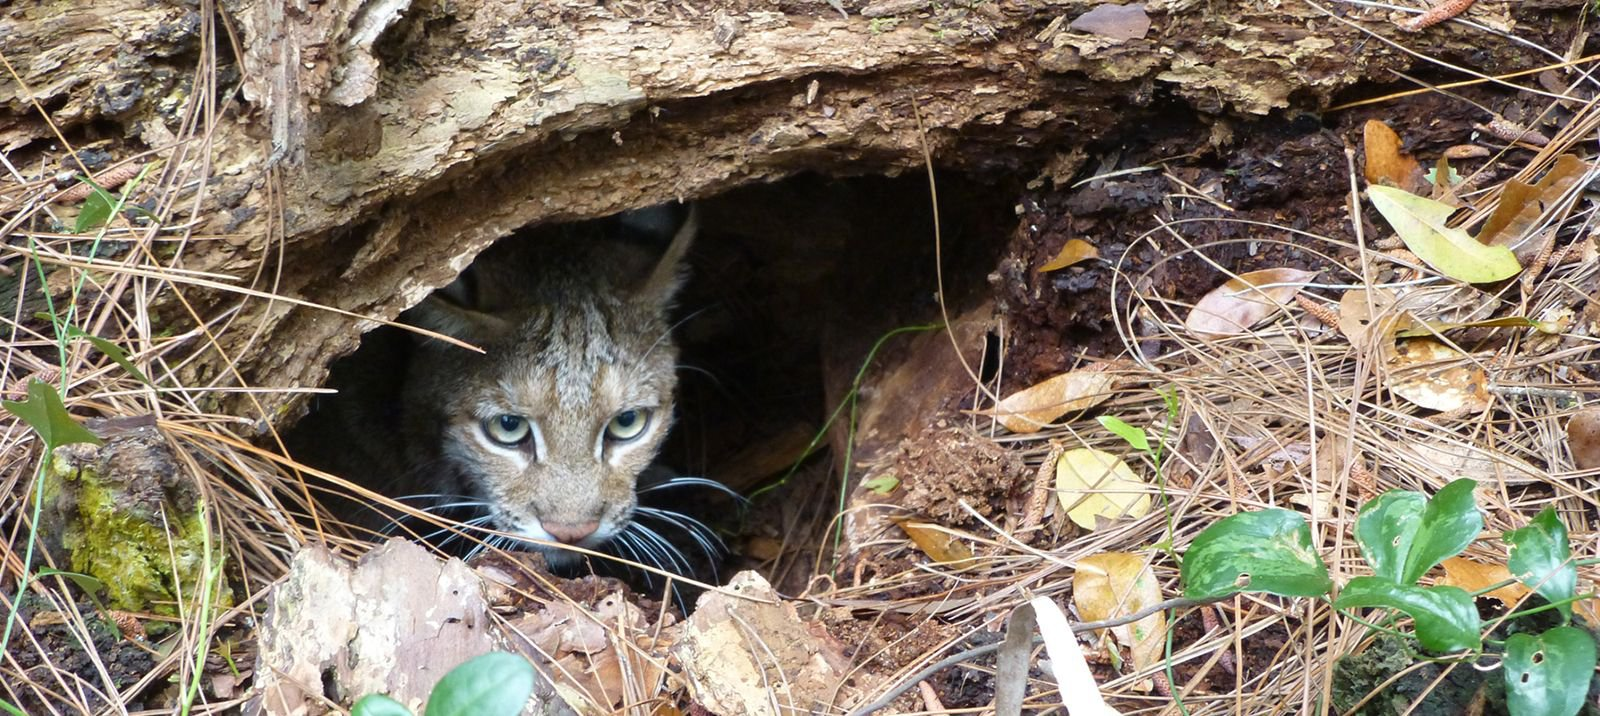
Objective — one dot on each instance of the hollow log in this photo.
(357, 154)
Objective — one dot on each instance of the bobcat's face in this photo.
(550, 427)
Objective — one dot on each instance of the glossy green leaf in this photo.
(1385, 529)
(496, 684)
(1549, 675)
(1446, 617)
(1267, 551)
(96, 211)
(1450, 522)
(379, 705)
(1422, 224)
(1134, 436)
(1540, 559)
(44, 412)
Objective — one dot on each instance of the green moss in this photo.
(133, 554)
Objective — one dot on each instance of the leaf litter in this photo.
(1411, 392)
(1280, 390)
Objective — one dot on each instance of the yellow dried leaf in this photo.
(1589, 609)
(1030, 409)
(938, 544)
(1436, 376)
(1232, 308)
(1115, 584)
(1075, 251)
(1093, 483)
(1473, 575)
(1423, 224)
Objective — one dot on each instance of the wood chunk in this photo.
(751, 653)
(394, 624)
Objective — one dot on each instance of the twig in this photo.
(911, 682)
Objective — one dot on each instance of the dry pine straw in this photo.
(1296, 416)
(1291, 411)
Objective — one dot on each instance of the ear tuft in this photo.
(667, 276)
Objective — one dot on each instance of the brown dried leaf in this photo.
(1114, 22)
(1473, 575)
(1075, 251)
(1387, 164)
(1232, 308)
(1521, 206)
(1115, 584)
(1031, 409)
(1359, 309)
(1583, 438)
(1436, 376)
(1451, 460)
(938, 544)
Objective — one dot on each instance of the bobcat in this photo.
(546, 432)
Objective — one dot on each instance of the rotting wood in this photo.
(393, 624)
(475, 117)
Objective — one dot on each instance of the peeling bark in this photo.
(373, 148)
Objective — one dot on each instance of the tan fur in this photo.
(575, 331)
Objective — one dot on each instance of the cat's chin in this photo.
(557, 558)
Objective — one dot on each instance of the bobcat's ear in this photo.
(666, 278)
(450, 311)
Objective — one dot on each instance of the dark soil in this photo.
(47, 650)
(1286, 170)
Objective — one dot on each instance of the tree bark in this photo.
(358, 154)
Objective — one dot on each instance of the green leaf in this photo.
(1548, 675)
(1134, 436)
(96, 210)
(1452, 176)
(496, 684)
(1421, 224)
(1385, 529)
(882, 484)
(7, 707)
(1540, 559)
(1450, 522)
(1446, 617)
(85, 582)
(1267, 551)
(379, 705)
(112, 351)
(44, 412)
(1170, 397)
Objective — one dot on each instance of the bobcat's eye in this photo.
(506, 429)
(627, 425)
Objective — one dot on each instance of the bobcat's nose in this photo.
(573, 532)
